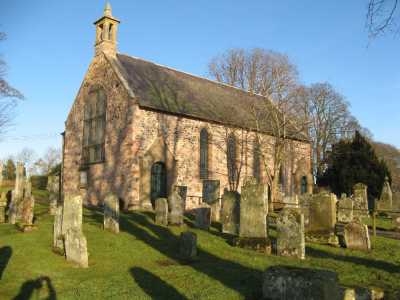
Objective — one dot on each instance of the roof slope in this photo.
(163, 89)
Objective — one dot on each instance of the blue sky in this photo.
(50, 45)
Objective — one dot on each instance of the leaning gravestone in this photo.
(322, 218)
(290, 234)
(76, 247)
(53, 186)
(356, 236)
(111, 213)
(360, 198)
(58, 243)
(175, 204)
(253, 210)
(162, 211)
(72, 213)
(345, 210)
(230, 212)
(203, 218)
(385, 201)
(188, 245)
(3, 205)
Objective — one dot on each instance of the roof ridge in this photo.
(196, 76)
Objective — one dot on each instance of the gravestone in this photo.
(215, 211)
(230, 212)
(58, 243)
(28, 205)
(396, 222)
(345, 209)
(284, 282)
(188, 245)
(356, 236)
(175, 204)
(322, 218)
(111, 213)
(13, 209)
(161, 211)
(360, 198)
(290, 239)
(253, 210)
(203, 217)
(385, 201)
(72, 213)
(76, 247)
(210, 191)
(53, 186)
(3, 205)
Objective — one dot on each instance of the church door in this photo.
(158, 182)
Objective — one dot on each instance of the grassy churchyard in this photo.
(142, 262)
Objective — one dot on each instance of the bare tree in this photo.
(382, 16)
(28, 157)
(273, 76)
(8, 96)
(50, 159)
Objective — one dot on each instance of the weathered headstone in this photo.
(345, 210)
(58, 242)
(28, 205)
(161, 211)
(76, 247)
(72, 213)
(385, 201)
(53, 186)
(230, 212)
(188, 245)
(281, 282)
(210, 191)
(175, 204)
(290, 239)
(203, 217)
(3, 205)
(253, 210)
(360, 198)
(111, 213)
(215, 211)
(15, 209)
(356, 236)
(322, 218)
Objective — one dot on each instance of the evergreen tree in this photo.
(10, 169)
(351, 162)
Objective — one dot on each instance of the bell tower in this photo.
(106, 33)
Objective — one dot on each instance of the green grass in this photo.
(142, 263)
(382, 223)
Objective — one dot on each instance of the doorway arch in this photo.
(158, 182)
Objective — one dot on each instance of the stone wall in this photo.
(136, 138)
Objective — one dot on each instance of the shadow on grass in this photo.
(246, 281)
(34, 288)
(370, 263)
(154, 286)
(5, 255)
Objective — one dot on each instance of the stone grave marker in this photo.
(111, 213)
(76, 247)
(161, 212)
(3, 205)
(72, 212)
(253, 210)
(385, 201)
(345, 210)
(210, 191)
(360, 198)
(356, 236)
(58, 242)
(53, 186)
(175, 204)
(230, 212)
(290, 239)
(203, 218)
(188, 245)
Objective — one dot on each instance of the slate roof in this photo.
(167, 90)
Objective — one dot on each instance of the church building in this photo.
(137, 129)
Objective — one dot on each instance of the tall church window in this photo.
(204, 154)
(256, 161)
(94, 127)
(231, 158)
(303, 185)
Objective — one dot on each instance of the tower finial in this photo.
(107, 10)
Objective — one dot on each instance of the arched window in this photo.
(231, 158)
(158, 184)
(303, 185)
(204, 154)
(94, 127)
(256, 161)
